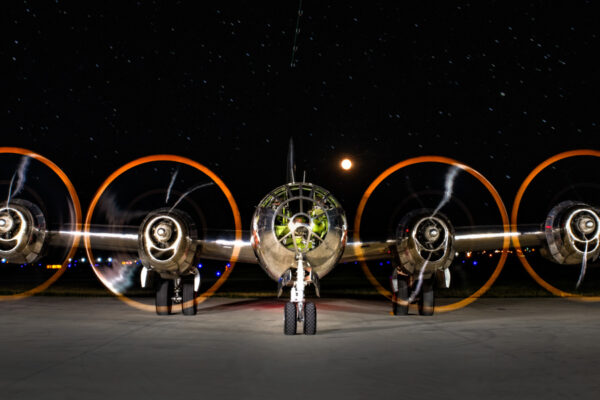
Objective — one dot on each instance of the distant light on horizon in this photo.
(346, 164)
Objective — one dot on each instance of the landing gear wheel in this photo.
(289, 318)
(400, 299)
(310, 319)
(164, 296)
(188, 305)
(427, 298)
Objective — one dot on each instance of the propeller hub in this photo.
(6, 222)
(586, 225)
(432, 233)
(583, 225)
(162, 232)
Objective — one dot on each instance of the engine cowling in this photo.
(22, 231)
(298, 218)
(424, 240)
(168, 242)
(572, 231)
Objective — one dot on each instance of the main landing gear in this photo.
(182, 290)
(403, 291)
(297, 309)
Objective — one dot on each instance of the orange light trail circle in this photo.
(76, 205)
(193, 164)
(514, 217)
(442, 160)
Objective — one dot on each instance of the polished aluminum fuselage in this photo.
(275, 258)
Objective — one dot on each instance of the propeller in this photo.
(150, 217)
(563, 191)
(38, 203)
(418, 202)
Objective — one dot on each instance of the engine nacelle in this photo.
(168, 242)
(22, 231)
(572, 231)
(425, 240)
(298, 218)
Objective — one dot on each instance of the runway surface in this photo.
(101, 348)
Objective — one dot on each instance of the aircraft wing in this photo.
(373, 250)
(464, 239)
(221, 249)
(126, 238)
(491, 238)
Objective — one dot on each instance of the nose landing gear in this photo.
(297, 309)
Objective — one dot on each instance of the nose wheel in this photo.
(310, 319)
(291, 317)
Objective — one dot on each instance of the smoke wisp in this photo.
(583, 267)
(20, 175)
(190, 191)
(173, 177)
(449, 187)
(417, 289)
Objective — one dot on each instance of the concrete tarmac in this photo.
(101, 348)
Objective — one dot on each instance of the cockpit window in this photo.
(300, 222)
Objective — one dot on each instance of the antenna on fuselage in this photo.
(291, 166)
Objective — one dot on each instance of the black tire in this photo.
(188, 305)
(427, 298)
(164, 296)
(400, 299)
(289, 318)
(310, 319)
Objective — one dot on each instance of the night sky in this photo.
(500, 86)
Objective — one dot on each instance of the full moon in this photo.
(346, 164)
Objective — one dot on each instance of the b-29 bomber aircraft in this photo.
(298, 234)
